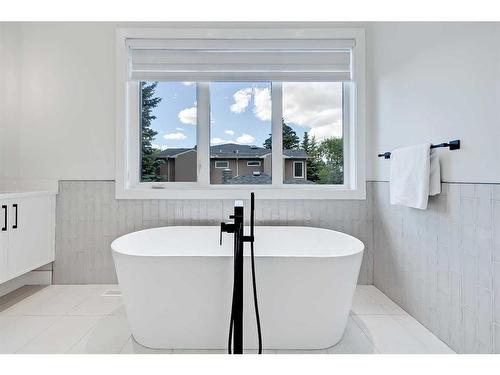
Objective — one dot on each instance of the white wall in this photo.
(434, 83)
(9, 98)
(426, 82)
(61, 111)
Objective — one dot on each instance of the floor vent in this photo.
(112, 293)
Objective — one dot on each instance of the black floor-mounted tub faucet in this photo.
(235, 340)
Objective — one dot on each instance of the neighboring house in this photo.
(180, 165)
(233, 164)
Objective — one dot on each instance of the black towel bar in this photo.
(453, 145)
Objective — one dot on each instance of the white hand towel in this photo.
(435, 174)
(410, 172)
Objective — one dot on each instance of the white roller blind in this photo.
(230, 60)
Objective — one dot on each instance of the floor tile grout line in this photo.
(60, 290)
(375, 314)
(17, 317)
(67, 312)
(394, 316)
(89, 296)
(390, 299)
(416, 338)
(59, 317)
(22, 293)
(39, 333)
(125, 344)
(81, 338)
(366, 335)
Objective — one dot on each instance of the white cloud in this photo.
(229, 132)
(175, 136)
(241, 100)
(217, 141)
(161, 147)
(188, 115)
(179, 129)
(245, 139)
(262, 104)
(316, 106)
(188, 83)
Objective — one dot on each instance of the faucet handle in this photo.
(221, 229)
(225, 227)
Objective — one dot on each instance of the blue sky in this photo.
(175, 126)
(241, 112)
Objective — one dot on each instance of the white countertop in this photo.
(20, 194)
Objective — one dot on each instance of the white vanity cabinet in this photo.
(27, 232)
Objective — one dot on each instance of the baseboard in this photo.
(37, 277)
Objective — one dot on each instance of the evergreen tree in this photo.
(310, 146)
(305, 142)
(291, 140)
(149, 154)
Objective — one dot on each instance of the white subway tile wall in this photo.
(442, 265)
(89, 218)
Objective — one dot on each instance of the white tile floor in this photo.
(80, 319)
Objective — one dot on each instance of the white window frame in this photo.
(293, 170)
(259, 163)
(222, 161)
(128, 185)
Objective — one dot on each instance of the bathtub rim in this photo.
(360, 246)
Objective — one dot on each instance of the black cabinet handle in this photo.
(4, 208)
(14, 226)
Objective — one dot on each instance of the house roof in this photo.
(262, 179)
(233, 151)
(173, 152)
(250, 179)
(298, 181)
(299, 154)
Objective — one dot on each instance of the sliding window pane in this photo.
(240, 133)
(168, 132)
(313, 151)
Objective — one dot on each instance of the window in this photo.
(222, 164)
(203, 114)
(240, 129)
(298, 169)
(313, 115)
(254, 163)
(168, 131)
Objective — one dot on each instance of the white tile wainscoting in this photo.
(81, 319)
(89, 218)
(441, 265)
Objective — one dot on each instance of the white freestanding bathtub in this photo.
(177, 286)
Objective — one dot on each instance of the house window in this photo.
(254, 163)
(286, 115)
(222, 164)
(298, 169)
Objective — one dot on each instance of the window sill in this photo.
(243, 191)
